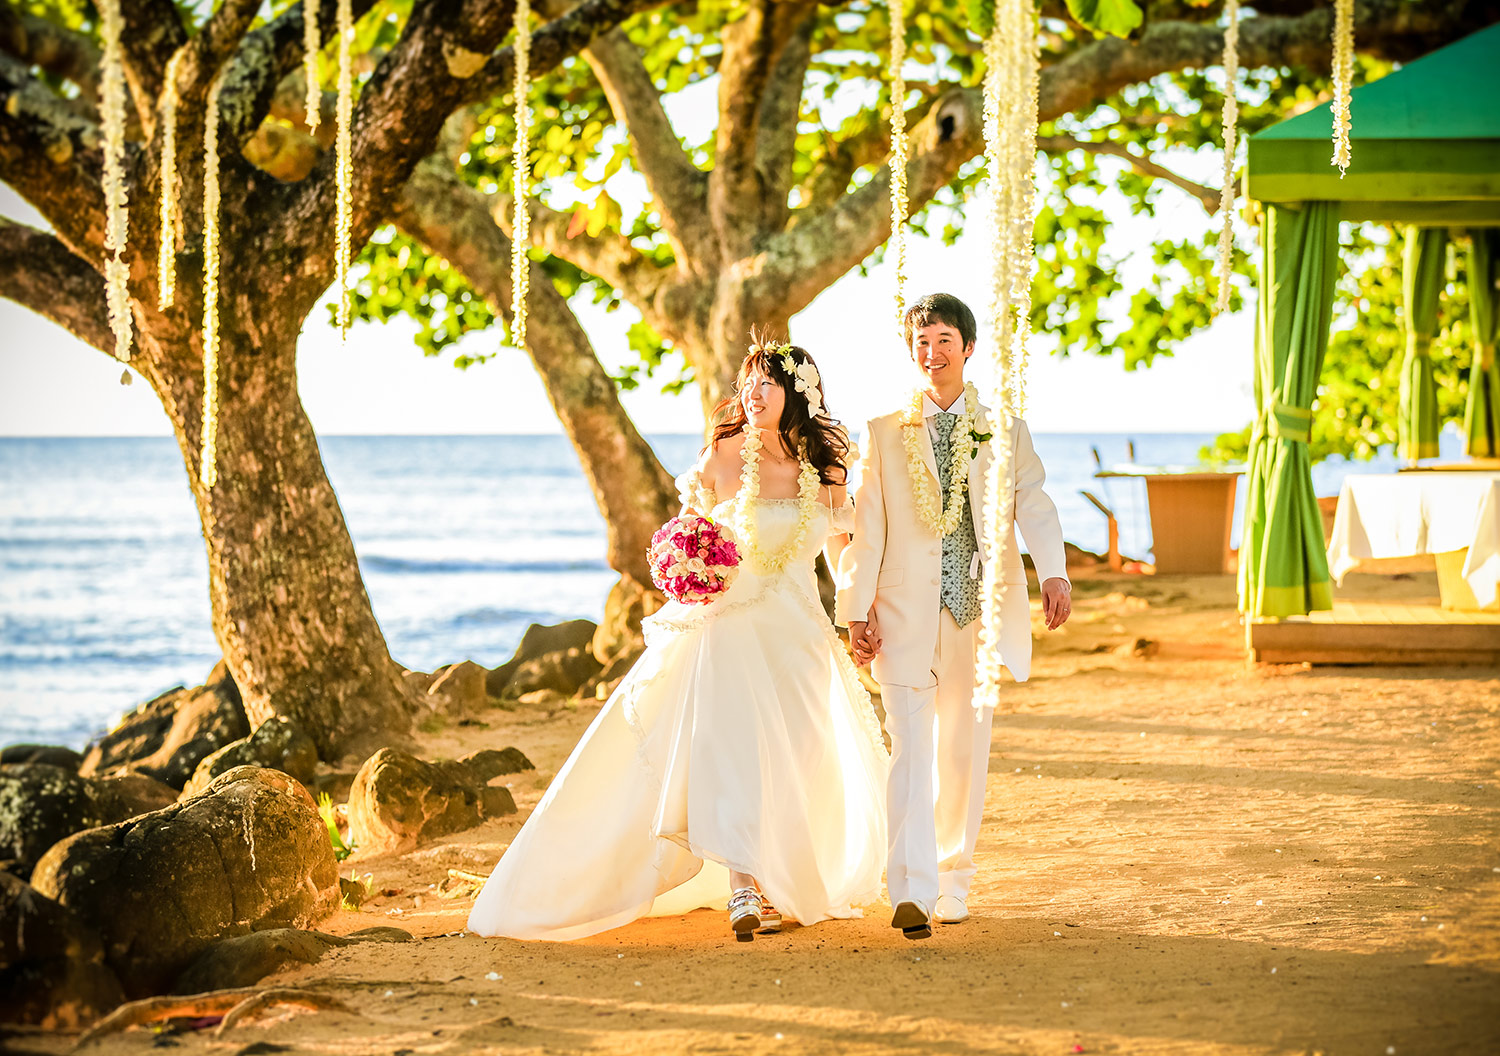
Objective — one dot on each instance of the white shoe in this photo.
(950, 909)
(913, 920)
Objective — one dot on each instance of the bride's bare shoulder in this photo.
(721, 460)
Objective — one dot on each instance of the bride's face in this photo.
(762, 400)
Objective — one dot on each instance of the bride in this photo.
(741, 751)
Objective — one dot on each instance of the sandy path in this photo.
(1179, 855)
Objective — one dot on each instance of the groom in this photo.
(909, 594)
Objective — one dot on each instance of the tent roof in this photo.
(1425, 143)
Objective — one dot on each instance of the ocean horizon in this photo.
(462, 541)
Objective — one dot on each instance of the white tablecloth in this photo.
(1385, 515)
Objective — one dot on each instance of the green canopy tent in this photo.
(1425, 147)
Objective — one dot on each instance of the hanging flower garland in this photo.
(344, 172)
(1343, 78)
(1028, 78)
(1230, 120)
(312, 44)
(116, 197)
(520, 239)
(208, 470)
(744, 514)
(924, 489)
(166, 250)
(1011, 83)
(900, 151)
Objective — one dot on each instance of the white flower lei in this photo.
(166, 252)
(116, 195)
(1343, 78)
(344, 164)
(900, 151)
(520, 236)
(924, 491)
(1230, 121)
(743, 517)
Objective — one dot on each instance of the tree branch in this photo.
(1142, 163)
(552, 43)
(153, 31)
(630, 486)
(807, 258)
(780, 113)
(610, 257)
(752, 46)
(61, 52)
(678, 187)
(817, 250)
(51, 156)
(38, 272)
(400, 113)
(402, 110)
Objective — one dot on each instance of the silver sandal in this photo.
(770, 916)
(744, 913)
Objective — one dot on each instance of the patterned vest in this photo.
(960, 591)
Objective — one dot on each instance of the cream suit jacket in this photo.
(894, 564)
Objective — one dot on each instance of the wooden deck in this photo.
(1380, 632)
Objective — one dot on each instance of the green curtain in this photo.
(1426, 254)
(1283, 562)
(1482, 410)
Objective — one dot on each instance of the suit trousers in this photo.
(940, 753)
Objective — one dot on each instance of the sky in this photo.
(378, 382)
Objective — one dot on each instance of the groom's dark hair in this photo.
(940, 308)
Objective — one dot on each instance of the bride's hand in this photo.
(864, 638)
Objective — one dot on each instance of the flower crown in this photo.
(804, 376)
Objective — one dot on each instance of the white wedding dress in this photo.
(742, 739)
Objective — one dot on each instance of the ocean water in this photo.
(462, 541)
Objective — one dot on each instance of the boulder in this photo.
(244, 960)
(604, 683)
(628, 604)
(41, 804)
(539, 640)
(487, 764)
(398, 799)
(52, 970)
(51, 754)
(140, 794)
(166, 738)
(458, 689)
(277, 744)
(562, 672)
(249, 853)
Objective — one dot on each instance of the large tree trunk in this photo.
(290, 610)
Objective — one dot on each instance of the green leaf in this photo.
(1115, 17)
(981, 15)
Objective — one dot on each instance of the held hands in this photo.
(1057, 603)
(1057, 606)
(864, 638)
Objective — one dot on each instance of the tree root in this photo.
(253, 1006)
(234, 1006)
(460, 884)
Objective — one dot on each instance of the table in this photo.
(1192, 514)
(1392, 515)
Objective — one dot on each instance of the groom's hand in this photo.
(864, 638)
(1057, 602)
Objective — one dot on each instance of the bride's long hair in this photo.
(825, 441)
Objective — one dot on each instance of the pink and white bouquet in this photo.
(691, 560)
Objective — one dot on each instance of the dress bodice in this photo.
(776, 523)
(775, 519)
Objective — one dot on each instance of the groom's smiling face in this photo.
(939, 352)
